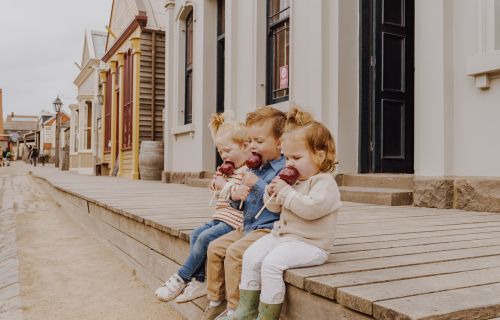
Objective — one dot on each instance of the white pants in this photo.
(266, 259)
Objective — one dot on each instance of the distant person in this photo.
(8, 157)
(30, 150)
(34, 155)
(1, 157)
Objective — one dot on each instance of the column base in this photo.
(464, 193)
(134, 175)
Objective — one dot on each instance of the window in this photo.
(127, 100)
(88, 127)
(77, 130)
(107, 112)
(483, 66)
(220, 54)
(278, 35)
(188, 94)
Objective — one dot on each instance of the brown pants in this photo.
(224, 264)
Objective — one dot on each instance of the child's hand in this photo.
(241, 193)
(218, 182)
(211, 186)
(249, 179)
(276, 186)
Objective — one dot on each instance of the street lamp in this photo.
(57, 108)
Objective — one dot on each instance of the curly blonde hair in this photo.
(316, 136)
(224, 124)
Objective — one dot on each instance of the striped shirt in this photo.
(223, 210)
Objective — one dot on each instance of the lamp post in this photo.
(57, 108)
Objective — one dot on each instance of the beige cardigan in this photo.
(308, 210)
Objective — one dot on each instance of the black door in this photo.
(221, 49)
(387, 68)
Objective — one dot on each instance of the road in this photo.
(50, 268)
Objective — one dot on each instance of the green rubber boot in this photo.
(269, 311)
(247, 307)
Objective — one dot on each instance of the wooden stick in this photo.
(241, 202)
(213, 197)
(265, 204)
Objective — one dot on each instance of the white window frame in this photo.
(179, 127)
(87, 127)
(485, 65)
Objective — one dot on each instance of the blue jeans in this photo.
(194, 267)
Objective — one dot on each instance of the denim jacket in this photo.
(255, 199)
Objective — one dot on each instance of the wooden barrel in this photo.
(151, 160)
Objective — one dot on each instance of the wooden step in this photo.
(387, 262)
(377, 180)
(381, 196)
(200, 183)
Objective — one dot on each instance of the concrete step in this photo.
(381, 196)
(376, 180)
(200, 183)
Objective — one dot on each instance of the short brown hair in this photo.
(268, 113)
(316, 135)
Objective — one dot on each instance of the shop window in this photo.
(278, 50)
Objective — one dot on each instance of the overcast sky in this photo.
(39, 43)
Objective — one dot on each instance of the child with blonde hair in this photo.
(264, 127)
(232, 144)
(304, 234)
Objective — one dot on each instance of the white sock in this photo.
(230, 312)
(215, 303)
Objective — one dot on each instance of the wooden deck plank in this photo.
(481, 302)
(361, 298)
(383, 256)
(328, 285)
(419, 235)
(393, 252)
(298, 276)
(340, 248)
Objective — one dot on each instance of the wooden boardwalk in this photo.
(388, 262)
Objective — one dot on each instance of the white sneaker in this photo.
(194, 290)
(170, 289)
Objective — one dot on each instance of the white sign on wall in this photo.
(48, 135)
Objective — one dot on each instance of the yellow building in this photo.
(133, 84)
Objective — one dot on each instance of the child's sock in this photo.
(215, 303)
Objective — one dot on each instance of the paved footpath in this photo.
(10, 302)
(50, 268)
(387, 262)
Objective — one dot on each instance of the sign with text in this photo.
(48, 135)
(284, 77)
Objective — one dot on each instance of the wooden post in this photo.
(121, 61)
(103, 117)
(136, 52)
(114, 110)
